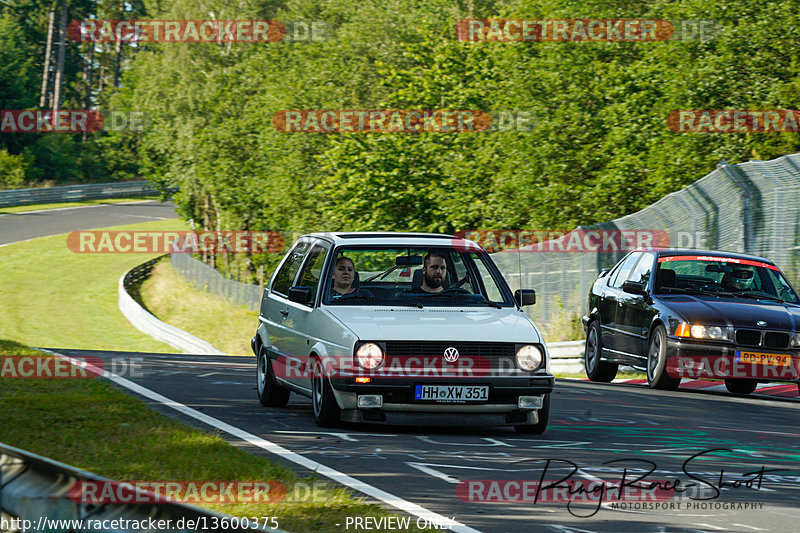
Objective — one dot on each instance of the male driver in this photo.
(434, 270)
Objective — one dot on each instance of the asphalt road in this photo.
(29, 225)
(750, 483)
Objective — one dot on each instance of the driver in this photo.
(434, 270)
(738, 280)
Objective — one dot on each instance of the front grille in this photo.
(436, 349)
(481, 357)
(776, 339)
(748, 337)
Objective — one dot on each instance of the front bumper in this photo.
(705, 360)
(400, 407)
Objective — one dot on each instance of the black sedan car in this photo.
(694, 314)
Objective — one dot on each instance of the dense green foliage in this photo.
(599, 146)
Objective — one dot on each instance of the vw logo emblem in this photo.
(761, 323)
(451, 355)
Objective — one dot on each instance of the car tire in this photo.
(539, 427)
(596, 369)
(270, 394)
(741, 386)
(657, 376)
(326, 411)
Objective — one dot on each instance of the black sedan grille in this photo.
(769, 339)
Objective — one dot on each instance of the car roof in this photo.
(715, 253)
(390, 238)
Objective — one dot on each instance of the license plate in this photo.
(759, 358)
(451, 393)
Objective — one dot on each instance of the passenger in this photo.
(344, 272)
(434, 270)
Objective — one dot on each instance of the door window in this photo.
(312, 271)
(641, 273)
(288, 271)
(622, 273)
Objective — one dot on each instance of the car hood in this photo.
(735, 312)
(437, 323)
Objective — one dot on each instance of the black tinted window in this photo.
(285, 276)
(622, 273)
(641, 274)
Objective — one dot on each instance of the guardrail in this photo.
(566, 356)
(37, 489)
(149, 324)
(75, 193)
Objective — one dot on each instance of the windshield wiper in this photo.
(693, 290)
(759, 296)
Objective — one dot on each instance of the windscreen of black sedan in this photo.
(723, 276)
(394, 276)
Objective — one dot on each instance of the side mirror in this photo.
(525, 297)
(301, 295)
(634, 287)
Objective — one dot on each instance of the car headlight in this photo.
(697, 331)
(369, 356)
(529, 357)
(796, 340)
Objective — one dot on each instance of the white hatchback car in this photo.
(401, 328)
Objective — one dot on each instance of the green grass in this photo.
(52, 297)
(89, 424)
(37, 207)
(176, 301)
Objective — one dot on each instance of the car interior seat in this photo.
(666, 278)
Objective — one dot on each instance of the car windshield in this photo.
(723, 276)
(415, 277)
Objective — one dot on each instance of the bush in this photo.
(12, 170)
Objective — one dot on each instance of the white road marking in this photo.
(319, 468)
(434, 473)
(492, 442)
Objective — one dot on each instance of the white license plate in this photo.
(451, 393)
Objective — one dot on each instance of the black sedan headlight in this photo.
(700, 331)
(795, 340)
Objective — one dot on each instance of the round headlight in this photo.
(714, 332)
(369, 356)
(529, 357)
(698, 332)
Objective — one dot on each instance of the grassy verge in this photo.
(176, 301)
(91, 425)
(52, 297)
(37, 207)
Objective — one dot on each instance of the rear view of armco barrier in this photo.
(75, 193)
(36, 489)
(149, 324)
